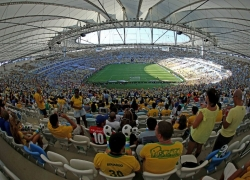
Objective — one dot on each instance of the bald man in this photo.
(112, 122)
(231, 121)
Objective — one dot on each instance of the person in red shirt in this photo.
(96, 132)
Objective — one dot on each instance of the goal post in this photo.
(135, 78)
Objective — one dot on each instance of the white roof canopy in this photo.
(26, 27)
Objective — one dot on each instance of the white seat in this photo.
(142, 129)
(49, 137)
(177, 139)
(165, 117)
(245, 140)
(184, 172)
(216, 126)
(178, 133)
(9, 139)
(86, 132)
(82, 169)
(164, 176)
(210, 141)
(235, 148)
(44, 121)
(10, 174)
(107, 177)
(56, 161)
(2, 177)
(70, 113)
(98, 148)
(138, 150)
(81, 143)
(63, 142)
(19, 147)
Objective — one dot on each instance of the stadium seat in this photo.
(178, 133)
(98, 148)
(164, 176)
(212, 138)
(10, 174)
(138, 150)
(56, 161)
(89, 115)
(63, 142)
(2, 177)
(81, 143)
(216, 126)
(91, 121)
(107, 177)
(9, 139)
(49, 137)
(214, 161)
(82, 169)
(235, 148)
(184, 172)
(176, 139)
(35, 151)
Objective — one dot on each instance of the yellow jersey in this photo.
(234, 118)
(191, 120)
(61, 131)
(116, 165)
(165, 112)
(203, 131)
(153, 113)
(77, 102)
(38, 97)
(160, 158)
(219, 116)
(61, 101)
(20, 134)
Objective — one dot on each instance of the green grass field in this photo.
(132, 73)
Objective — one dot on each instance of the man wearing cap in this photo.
(96, 132)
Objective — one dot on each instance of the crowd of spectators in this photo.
(48, 90)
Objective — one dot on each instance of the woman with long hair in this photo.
(181, 123)
(21, 136)
(129, 115)
(204, 122)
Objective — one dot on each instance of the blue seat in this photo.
(35, 151)
(214, 161)
(89, 115)
(141, 113)
(121, 113)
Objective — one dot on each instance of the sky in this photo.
(133, 35)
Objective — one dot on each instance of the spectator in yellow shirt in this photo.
(77, 103)
(166, 111)
(153, 112)
(40, 102)
(63, 131)
(219, 116)
(192, 118)
(161, 157)
(115, 163)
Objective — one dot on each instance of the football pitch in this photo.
(134, 73)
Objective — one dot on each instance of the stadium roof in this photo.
(32, 27)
